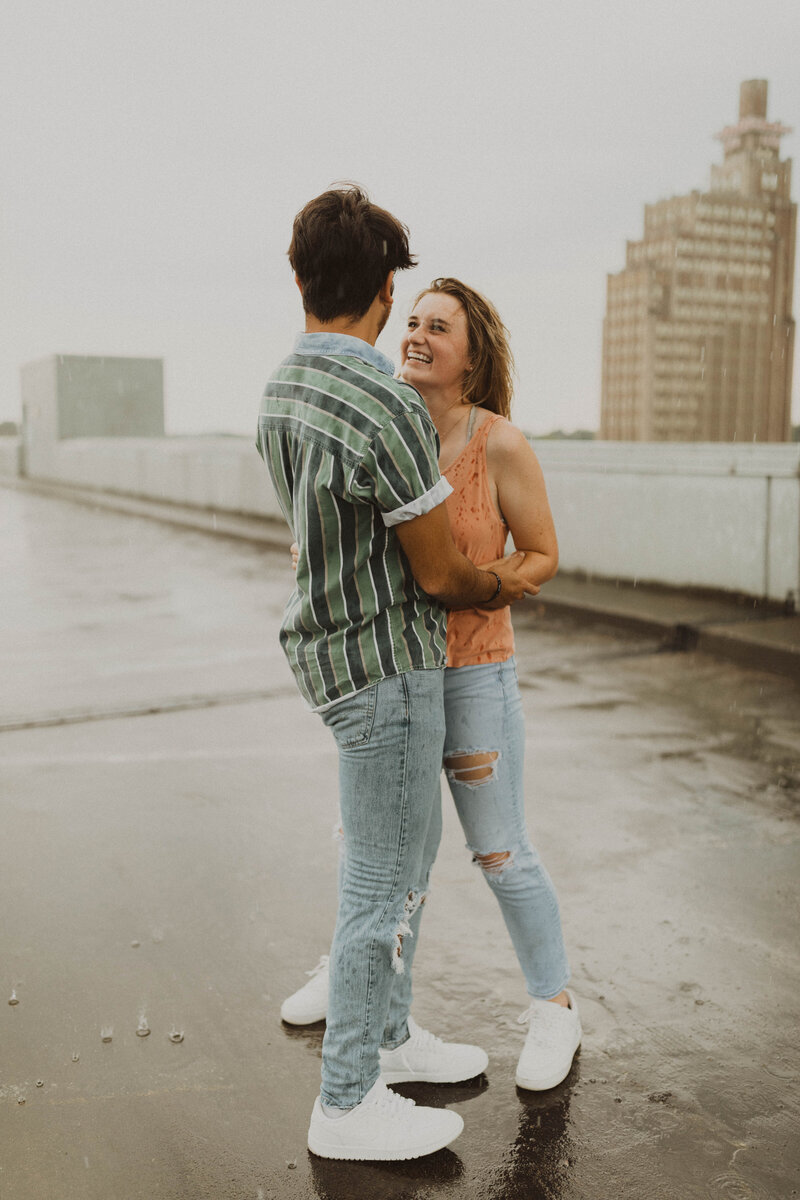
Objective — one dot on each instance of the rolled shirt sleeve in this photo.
(432, 499)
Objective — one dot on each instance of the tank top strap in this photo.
(471, 422)
(474, 449)
(486, 427)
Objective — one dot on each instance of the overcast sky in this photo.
(154, 155)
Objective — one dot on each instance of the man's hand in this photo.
(514, 585)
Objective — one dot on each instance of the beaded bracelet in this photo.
(498, 589)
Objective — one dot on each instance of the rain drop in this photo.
(40, 1083)
(143, 1029)
(76, 1057)
(136, 944)
(176, 1036)
(12, 999)
(106, 1033)
(21, 1100)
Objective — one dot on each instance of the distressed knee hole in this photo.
(494, 864)
(471, 769)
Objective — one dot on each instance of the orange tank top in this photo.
(476, 635)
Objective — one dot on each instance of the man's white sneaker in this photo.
(310, 1003)
(427, 1059)
(554, 1034)
(384, 1127)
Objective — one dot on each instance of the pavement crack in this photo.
(146, 709)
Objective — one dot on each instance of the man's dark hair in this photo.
(343, 247)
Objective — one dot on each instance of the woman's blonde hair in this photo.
(489, 381)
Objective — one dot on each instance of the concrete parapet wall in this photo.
(704, 516)
(715, 515)
(218, 473)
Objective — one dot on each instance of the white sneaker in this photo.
(554, 1034)
(383, 1127)
(310, 1003)
(428, 1059)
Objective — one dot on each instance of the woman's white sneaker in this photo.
(310, 1002)
(384, 1127)
(554, 1034)
(424, 1058)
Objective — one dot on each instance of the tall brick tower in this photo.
(698, 337)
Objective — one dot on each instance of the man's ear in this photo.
(299, 285)
(387, 289)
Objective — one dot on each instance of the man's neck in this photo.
(356, 329)
(367, 328)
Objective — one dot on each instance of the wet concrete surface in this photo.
(167, 806)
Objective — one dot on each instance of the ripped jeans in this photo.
(390, 739)
(483, 712)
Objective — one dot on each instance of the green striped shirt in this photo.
(352, 452)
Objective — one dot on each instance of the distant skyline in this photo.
(155, 155)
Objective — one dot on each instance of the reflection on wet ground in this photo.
(167, 874)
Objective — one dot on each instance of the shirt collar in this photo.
(343, 343)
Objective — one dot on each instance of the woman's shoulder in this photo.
(505, 440)
(500, 430)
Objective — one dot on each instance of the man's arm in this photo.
(444, 573)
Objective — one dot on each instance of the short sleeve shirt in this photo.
(352, 453)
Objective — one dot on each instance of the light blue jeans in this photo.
(390, 739)
(483, 715)
(483, 712)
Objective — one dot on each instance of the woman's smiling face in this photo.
(435, 346)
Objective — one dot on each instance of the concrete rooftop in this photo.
(167, 805)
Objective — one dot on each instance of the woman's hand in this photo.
(294, 550)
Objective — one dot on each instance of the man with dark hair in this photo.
(353, 457)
